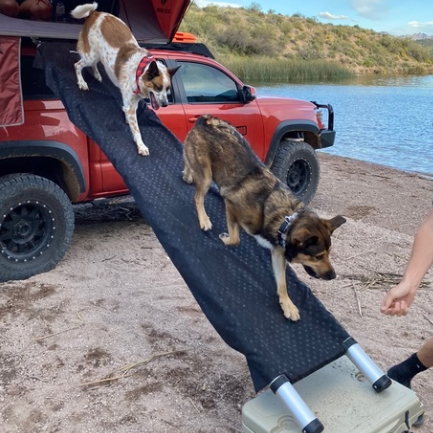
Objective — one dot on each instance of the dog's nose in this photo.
(330, 275)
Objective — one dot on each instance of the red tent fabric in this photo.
(11, 98)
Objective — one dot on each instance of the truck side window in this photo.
(33, 81)
(204, 83)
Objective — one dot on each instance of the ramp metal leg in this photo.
(368, 368)
(302, 414)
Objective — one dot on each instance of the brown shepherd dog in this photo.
(259, 202)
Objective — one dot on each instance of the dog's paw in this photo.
(206, 225)
(290, 311)
(225, 237)
(98, 76)
(187, 177)
(143, 150)
(83, 85)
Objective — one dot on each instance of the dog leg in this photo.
(202, 188)
(290, 310)
(186, 173)
(232, 237)
(130, 110)
(86, 59)
(79, 66)
(96, 72)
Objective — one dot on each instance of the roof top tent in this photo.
(151, 21)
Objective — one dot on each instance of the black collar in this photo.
(282, 231)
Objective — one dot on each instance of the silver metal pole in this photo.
(296, 405)
(368, 368)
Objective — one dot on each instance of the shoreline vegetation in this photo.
(269, 47)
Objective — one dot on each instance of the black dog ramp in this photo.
(235, 287)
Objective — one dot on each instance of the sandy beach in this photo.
(104, 311)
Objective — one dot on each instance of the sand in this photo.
(116, 307)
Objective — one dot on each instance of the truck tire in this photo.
(296, 164)
(36, 225)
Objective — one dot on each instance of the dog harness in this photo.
(140, 69)
(282, 235)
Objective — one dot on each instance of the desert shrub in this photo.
(368, 62)
(312, 20)
(340, 31)
(286, 27)
(255, 7)
(297, 23)
(418, 52)
(309, 53)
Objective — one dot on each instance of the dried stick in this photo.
(107, 379)
(359, 254)
(357, 299)
(129, 367)
(154, 356)
(193, 404)
(428, 320)
(57, 333)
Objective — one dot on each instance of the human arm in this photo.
(398, 299)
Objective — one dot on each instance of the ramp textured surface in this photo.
(234, 287)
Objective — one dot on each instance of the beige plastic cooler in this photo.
(342, 400)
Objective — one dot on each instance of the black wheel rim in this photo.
(298, 176)
(26, 231)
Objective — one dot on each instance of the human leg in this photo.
(425, 354)
(405, 371)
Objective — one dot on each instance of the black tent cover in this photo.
(234, 287)
(151, 21)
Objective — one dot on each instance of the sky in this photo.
(397, 17)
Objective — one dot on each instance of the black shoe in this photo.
(419, 422)
(394, 373)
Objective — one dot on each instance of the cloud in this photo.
(204, 3)
(371, 9)
(418, 25)
(329, 16)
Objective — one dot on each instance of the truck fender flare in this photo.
(52, 149)
(284, 128)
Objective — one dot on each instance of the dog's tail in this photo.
(83, 11)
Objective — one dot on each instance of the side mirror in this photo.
(248, 94)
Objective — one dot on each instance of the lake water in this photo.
(382, 120)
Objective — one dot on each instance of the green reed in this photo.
(285, 71)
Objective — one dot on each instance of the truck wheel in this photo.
(36, 225)
(296, 164)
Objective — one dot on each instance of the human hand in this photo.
(397, 301)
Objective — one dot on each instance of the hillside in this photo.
(428, 43)
(248, 37)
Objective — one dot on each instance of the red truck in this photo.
(47, 164)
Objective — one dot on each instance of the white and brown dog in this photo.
(107, 39)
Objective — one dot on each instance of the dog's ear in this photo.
(334, 223)
(303, 237)
(172, 71)
(152, 70)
